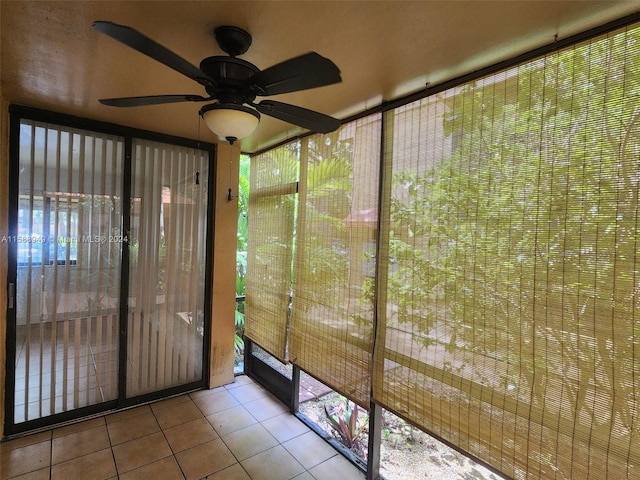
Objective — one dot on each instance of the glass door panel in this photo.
(68, 270)
(167, 258)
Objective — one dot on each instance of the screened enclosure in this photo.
(469, 261)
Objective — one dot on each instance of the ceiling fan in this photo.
(234, 83)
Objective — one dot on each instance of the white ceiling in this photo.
(52, 58)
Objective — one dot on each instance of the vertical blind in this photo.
(272, 200)
(167, 255)
(70, 241)
(505, 306)
(510, 321)
(68, 270)
(332, 317)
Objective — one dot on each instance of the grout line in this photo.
(113, 455)
(51, 455)
(238, 462)
(173, 454)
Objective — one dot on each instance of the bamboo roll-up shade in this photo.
(510, 322)
(272, 199)
(333, 314)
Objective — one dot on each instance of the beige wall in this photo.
(225, 239)
(224, 266)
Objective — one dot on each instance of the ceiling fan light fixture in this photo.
(230, 121)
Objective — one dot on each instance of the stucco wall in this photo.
(224, 266)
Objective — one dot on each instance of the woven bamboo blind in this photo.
(332, 316)
(508, 314)
(272, 200)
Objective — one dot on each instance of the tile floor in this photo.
(236, 432)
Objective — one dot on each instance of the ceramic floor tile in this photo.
(234, 472)
(78, 427)
(42, 474)
(249, 441)
(26, 459)
(205, 459)
(303, 476)
(336, 467)
(132, 428)
(25, 441)
(178, 414)
(266, 407)
(238, 381)
(140, 451)
(216, 402)
(165, 469)
(235, 432)
(273, 464)
(285, 427)
(131, 412)
(204, 393)
(189, 434)
(170, 402)
(249, 392)
(100, 464)
(79, 443)
(230, 420)
(309, 449)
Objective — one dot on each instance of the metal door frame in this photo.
(17, 113)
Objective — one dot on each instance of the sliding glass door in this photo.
(107, 285)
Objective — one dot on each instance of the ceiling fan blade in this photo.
(144, 44)
(314, 121)
(300, 73)
(151, 100)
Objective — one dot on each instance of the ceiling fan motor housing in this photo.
(230, 75)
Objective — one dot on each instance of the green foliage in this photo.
(278, 169)
(529, 230)
(238, 343)
(243, 205)
(328, 189)
(325, 256)
(396, 431)
(241, 281)
(241, 254)
(345, 419)
(273, 212)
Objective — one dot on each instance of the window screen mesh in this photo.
(508, 320)
(332, 317)
(272, 200)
